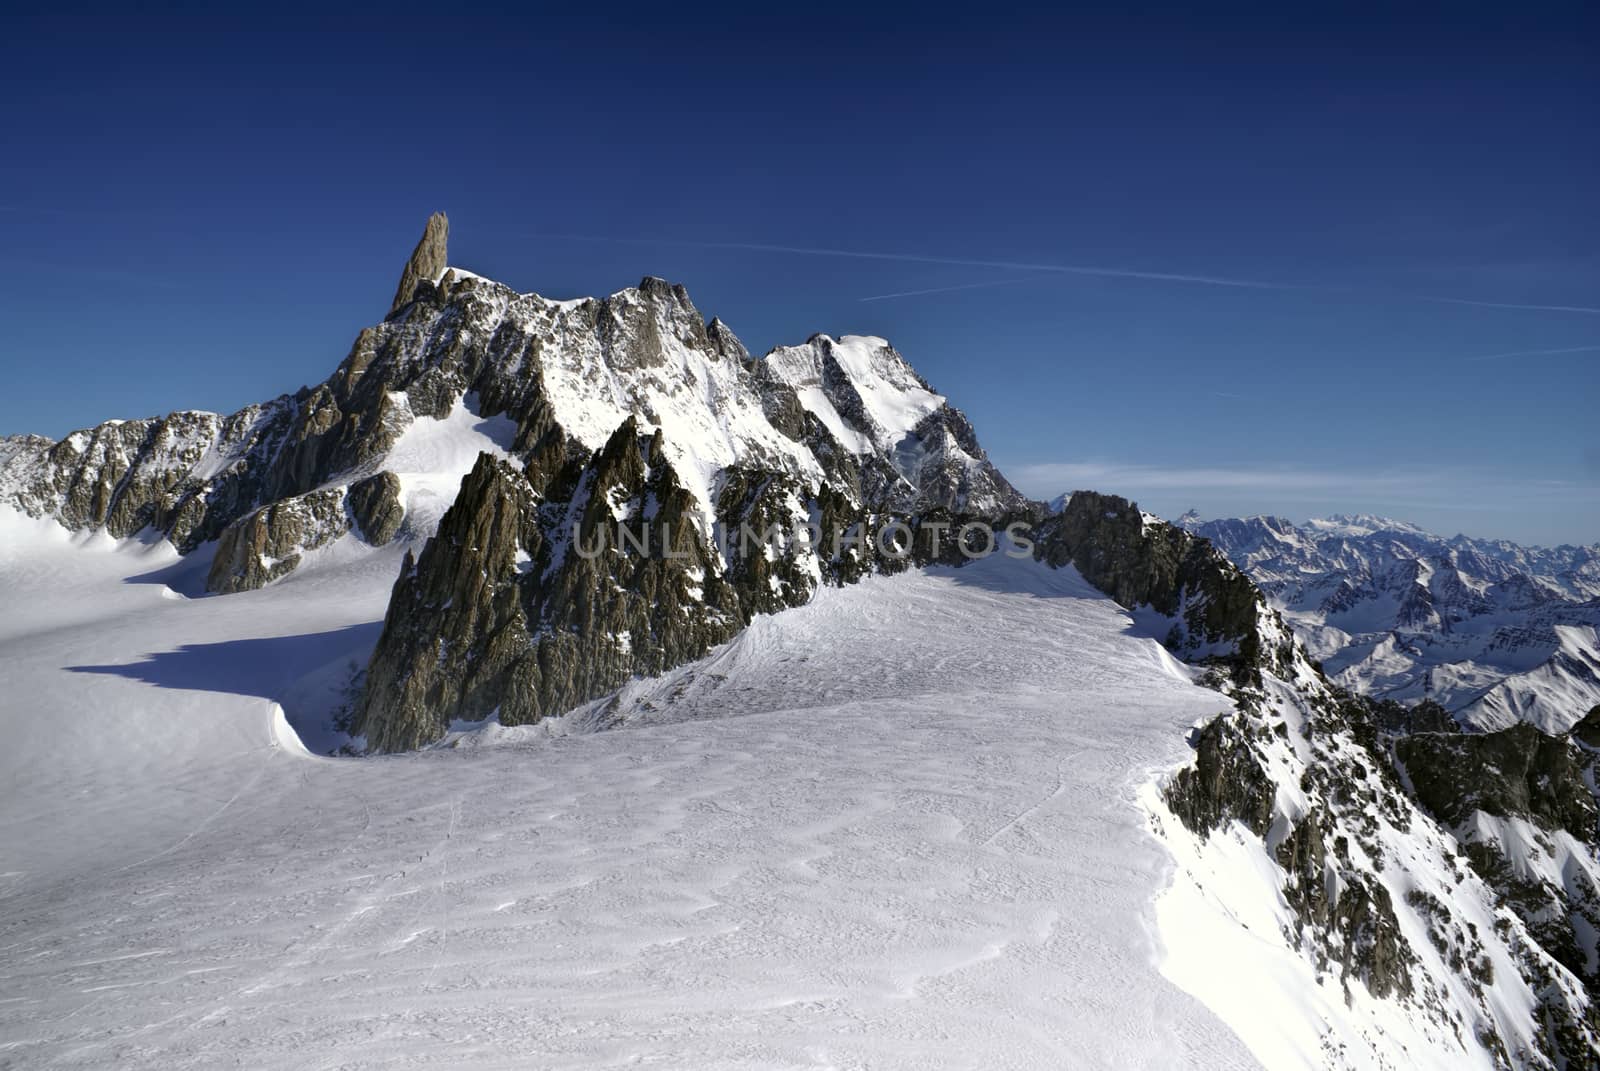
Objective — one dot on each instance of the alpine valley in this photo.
(441, 715)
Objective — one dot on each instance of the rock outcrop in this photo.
(428, 261)
(527, 604)
(1383, 828)
(846, 418)
(1522, 804)
(1514, 773)
(455, 626)
(267, 544)
(376, 507)
(1226, 783)
(1211, 608)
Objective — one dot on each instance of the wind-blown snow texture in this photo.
(889, 828)
(1495, 632)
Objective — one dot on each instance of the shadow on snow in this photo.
(307, 674)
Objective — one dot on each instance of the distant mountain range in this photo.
(1493, 631)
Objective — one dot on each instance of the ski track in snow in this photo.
(895, 828)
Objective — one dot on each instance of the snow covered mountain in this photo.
(1494, 632)
(1078, 795)
(465, 365)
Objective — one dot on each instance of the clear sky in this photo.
(1354, 257)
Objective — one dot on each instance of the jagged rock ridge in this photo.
(558, 376)
(635, 398)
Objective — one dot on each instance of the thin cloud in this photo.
(1585, 309)
(1440, 487)
(1535, 353)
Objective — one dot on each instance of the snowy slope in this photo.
(890, 828)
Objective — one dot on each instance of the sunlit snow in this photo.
(898, 827)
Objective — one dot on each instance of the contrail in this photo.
(1535, 353)
(964, 262)
(1507, 304)
(1062, 269)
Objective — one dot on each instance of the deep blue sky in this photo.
(200, 213)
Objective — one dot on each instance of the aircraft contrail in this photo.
(1535, 353)
(1506, 304)
(964, 262)
(1062, 269)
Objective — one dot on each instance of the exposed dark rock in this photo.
(613, 575)
(267, 544)
(455, 626)
(375, 504)
(1425, 716)
(1348, 917)
(1587, 731)
(506, 612)
(1226, 782)
(1518, 773)
(1140, 562)
(428, 259)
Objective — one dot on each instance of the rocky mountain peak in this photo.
(428, 260)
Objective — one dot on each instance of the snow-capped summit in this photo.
(464, 364)
(1356, 525)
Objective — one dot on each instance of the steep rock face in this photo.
(617, 574)
(1518, 772)
(1522, 805)
(562, 375)
(1381, 886)
(427, 262)
(1587, 731)
(455, 626)
(1226, 783)
(602, 535)
(268, 543)
(636, 417)
(189, 475)
(376, 507)
(1212, 608)
(122, 475)
(915, 448)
